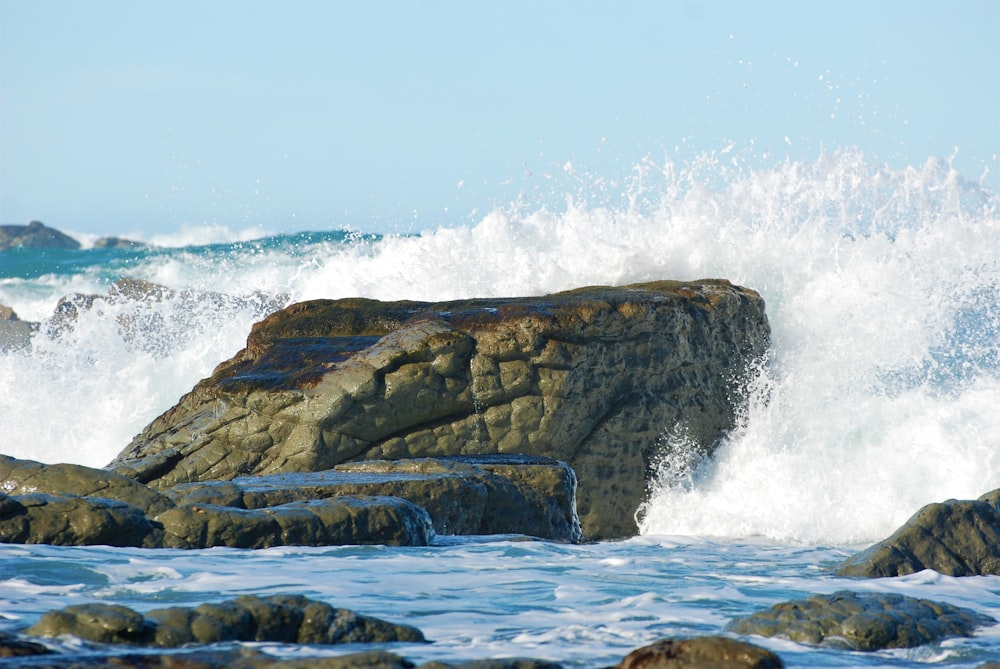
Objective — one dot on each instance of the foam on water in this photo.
(882, 288)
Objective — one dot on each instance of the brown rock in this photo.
(710, 652)
(591, 377)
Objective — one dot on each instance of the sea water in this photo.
(880, 394)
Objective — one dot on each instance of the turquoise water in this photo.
(883, 292)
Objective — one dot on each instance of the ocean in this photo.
(881, 394)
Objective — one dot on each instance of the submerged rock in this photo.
(957, 538)
(591, 377)
(709, 652)
(865, 621)
(278, 618)
(35, 234)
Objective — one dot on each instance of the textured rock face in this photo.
(956, 537)
(35, 234)
(865, 621)
(591, 377)
(710, 652)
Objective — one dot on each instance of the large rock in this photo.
(708, 652)
(591, 377)
(865, 621)
(482, 494)
(35, 234)
(278, 618)
(957, 538)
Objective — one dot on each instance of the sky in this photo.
(137, 117)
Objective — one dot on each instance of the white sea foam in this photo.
(882, 289)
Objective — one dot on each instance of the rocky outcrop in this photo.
(35, 234)
(279, 618)
(956, 537)
(865, 621)
(591, 377)
(392, 503)
(709, 652)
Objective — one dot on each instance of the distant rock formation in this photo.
(35, 234)
(118, 243)
(592, 377)
(865, 621)
(956, 537)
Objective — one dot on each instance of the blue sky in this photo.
(133, 116)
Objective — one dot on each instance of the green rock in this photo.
(279, 618)
(956, 537)
(709, 652)
(862, 621)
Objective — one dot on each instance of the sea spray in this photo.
(881, 286)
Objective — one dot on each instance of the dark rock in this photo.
(331, 522)
(213, 658)
(279, 618)
(862, 621)
(13, 646)
(14, 333)
(117, 243)
(35, 234)
(21, 477)
(500, 494)
(67, 520)
(709, 652)
(591, 377)
(504, 663)
(957, 538)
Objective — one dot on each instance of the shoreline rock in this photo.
(591, 377)
(955, 537)
(864, 621)
(392, 503)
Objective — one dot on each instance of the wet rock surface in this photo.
(709, 652)
(393, 503)
(591, 377)
(863, 621)
(279, 618)
(956, 537)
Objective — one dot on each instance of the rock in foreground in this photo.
(591, 377)
(864, 621)
(279, 618)
(710, 652)
(956, 537)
